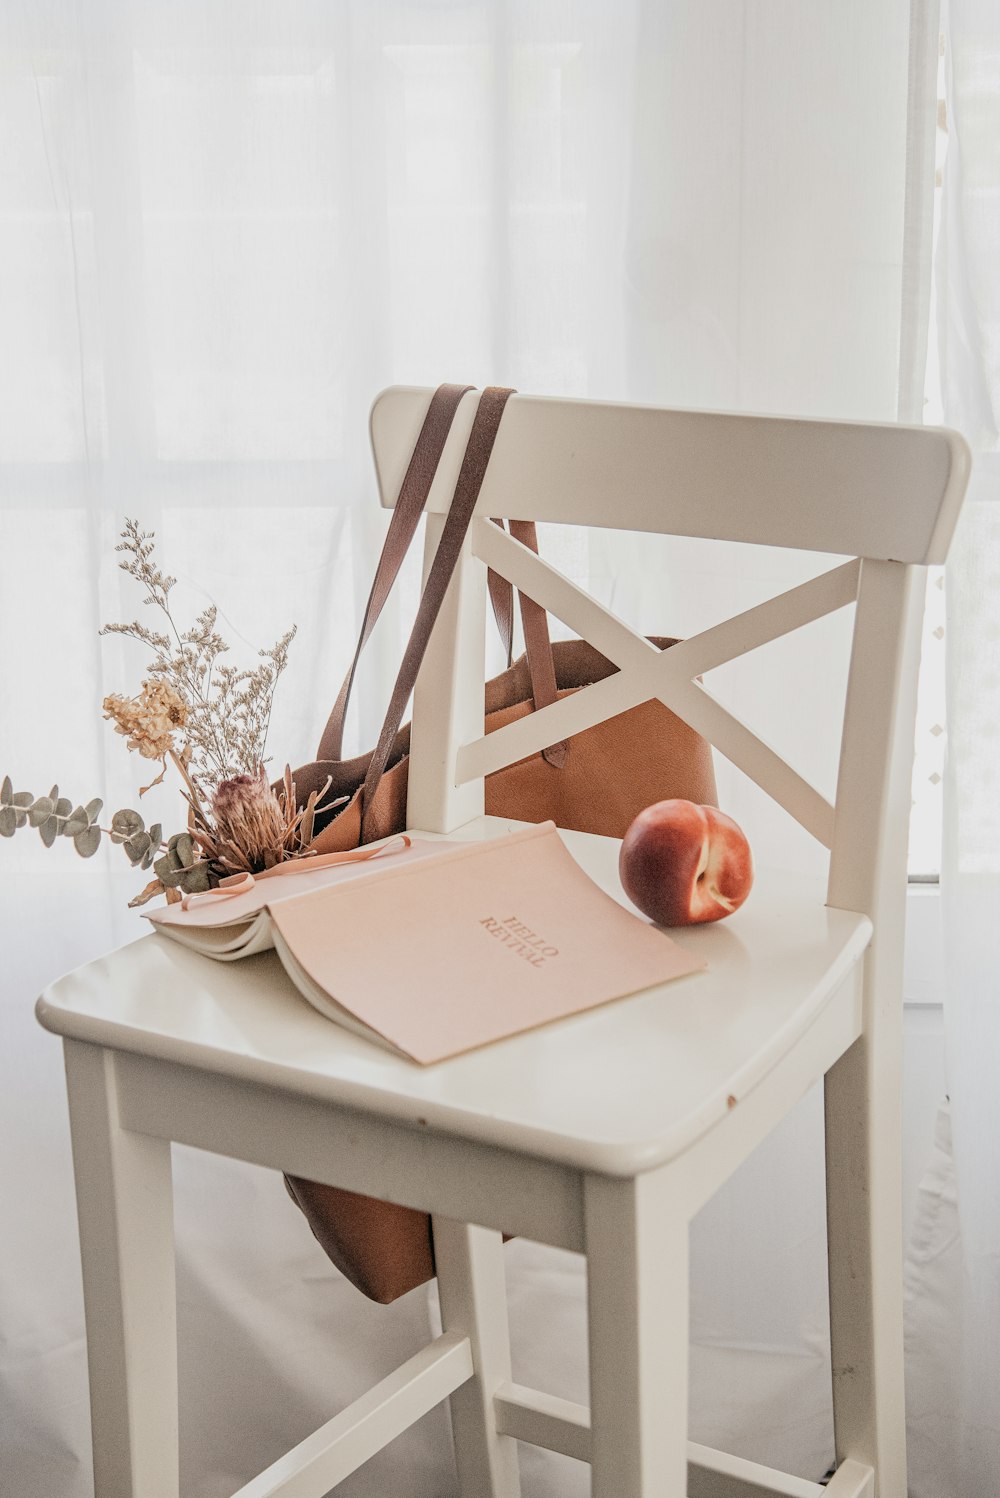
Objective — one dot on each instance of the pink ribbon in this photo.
(242, 884)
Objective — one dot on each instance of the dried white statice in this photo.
(228, 709)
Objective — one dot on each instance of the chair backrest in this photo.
(885, 496)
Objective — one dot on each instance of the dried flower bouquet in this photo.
(209, 720)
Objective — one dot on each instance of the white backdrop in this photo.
(955, 1272)
(225, 227)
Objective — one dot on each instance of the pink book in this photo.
(442, 946)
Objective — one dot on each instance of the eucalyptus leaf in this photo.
(93, 809)
(170, 878)
(195, 879)
(8, 821)
(77, 823)
(63, 806)
(125, 824)
(155, 839)
(182, 846)
(137, 847)
(87, 842)
(49, 831)
(23, 799)
(6, 792)
(41, 811)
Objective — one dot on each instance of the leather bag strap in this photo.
(502, 599)
(535, 623)
(477, 456)
(409, 507)
(402, 528)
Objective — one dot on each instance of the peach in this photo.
(682, 864)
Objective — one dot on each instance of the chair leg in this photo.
(124, 1205)
(864, 1230)
(469, 1264)
(637, 1302)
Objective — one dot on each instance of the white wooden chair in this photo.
(604, 1134)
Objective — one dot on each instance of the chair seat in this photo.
(618, 1090)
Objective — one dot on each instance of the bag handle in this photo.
(502, 599)
(409, 507)
(485, 426)
(535, 623)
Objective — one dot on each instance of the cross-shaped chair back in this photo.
(886, 496)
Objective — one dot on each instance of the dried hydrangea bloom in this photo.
(150, 720)
(250, 826)
(161, 701)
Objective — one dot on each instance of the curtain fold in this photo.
(227, 226)
(957, 1318)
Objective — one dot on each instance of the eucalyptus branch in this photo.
(55, 816)
(210, 720)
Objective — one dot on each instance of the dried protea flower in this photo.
(248, 822)
(150, 720)
(253, 826)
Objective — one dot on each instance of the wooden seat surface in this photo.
(619, 1089)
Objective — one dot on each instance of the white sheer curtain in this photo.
(955, 1270)
(226, 226)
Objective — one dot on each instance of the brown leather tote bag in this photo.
(596, 782)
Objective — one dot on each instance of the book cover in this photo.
(447, 946)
